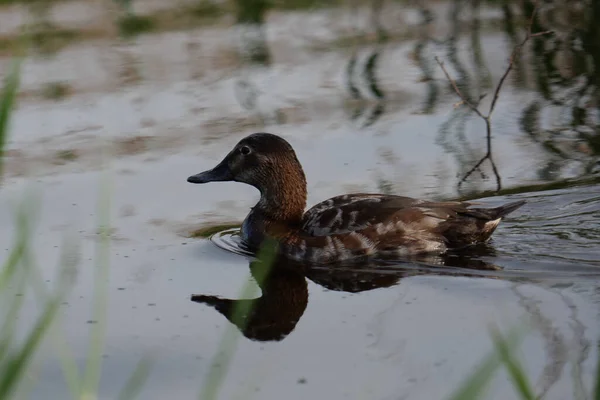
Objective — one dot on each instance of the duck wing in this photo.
(353, 212)
(395, 221)
(353, 226)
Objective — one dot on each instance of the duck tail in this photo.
(504, 210)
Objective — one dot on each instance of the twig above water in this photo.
(475, 107)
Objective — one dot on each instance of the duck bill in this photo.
(220, 173)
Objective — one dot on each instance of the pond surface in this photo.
(363, 115)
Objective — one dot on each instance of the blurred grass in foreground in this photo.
(504, 355)
(7, 102)
(19, 276)
(19, 272)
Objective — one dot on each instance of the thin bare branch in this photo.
(487, 118)
(540, 34)
(456, 89)
(475, 168)
(511, 61)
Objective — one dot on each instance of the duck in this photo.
(347, 227)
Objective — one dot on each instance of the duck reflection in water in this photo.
(274, 315)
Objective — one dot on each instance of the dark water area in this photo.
(356, 89)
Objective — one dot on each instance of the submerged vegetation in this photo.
(208, 231)
(56, 90)
(131, 25)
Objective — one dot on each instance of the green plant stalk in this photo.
(15, 364)
(12, 272)
(515, 369)
(17, 252)
(19, 362)
(136, 381)
(91, 378)
(68, 364)
(9, 325)
(259, 372)
(67, 264)
(228, 344)
(7, 102)
(474, 386)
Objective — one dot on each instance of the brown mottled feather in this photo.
(361, 224)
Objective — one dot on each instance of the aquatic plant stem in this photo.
(514, 368)
(15, 364)
(476, 384)
(68, 262)
(475, 107)
(7, 102)
(91, 378)
(228, 344)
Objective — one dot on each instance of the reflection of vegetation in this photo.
(424, 61)
(304, 4)
(206, 9)
(47, 38)
(251, 11)
(483, 74)
(457, 144)
(567, 68)
(132, 25)
(66, 155)
(474, 106)
(56, 90)
(250, 17)
(374, 87)
(360, 104)
(565, 74)
(463, 80)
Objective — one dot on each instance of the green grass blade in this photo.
(18, 363)
(136, 381)
(69, 261)
(91, 377)
(477, 383)
(66, 273)
(23, 218)
(474, 386)
(7, 332)
(7, 102)
(12, 273)
(514, 367)
(228, 344)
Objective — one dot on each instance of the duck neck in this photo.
(282, 187)
(277, 213)
(282, 202)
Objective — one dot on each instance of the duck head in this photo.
(267, 162)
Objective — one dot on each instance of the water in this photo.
(363, 115)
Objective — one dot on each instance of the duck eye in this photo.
(245, 150)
